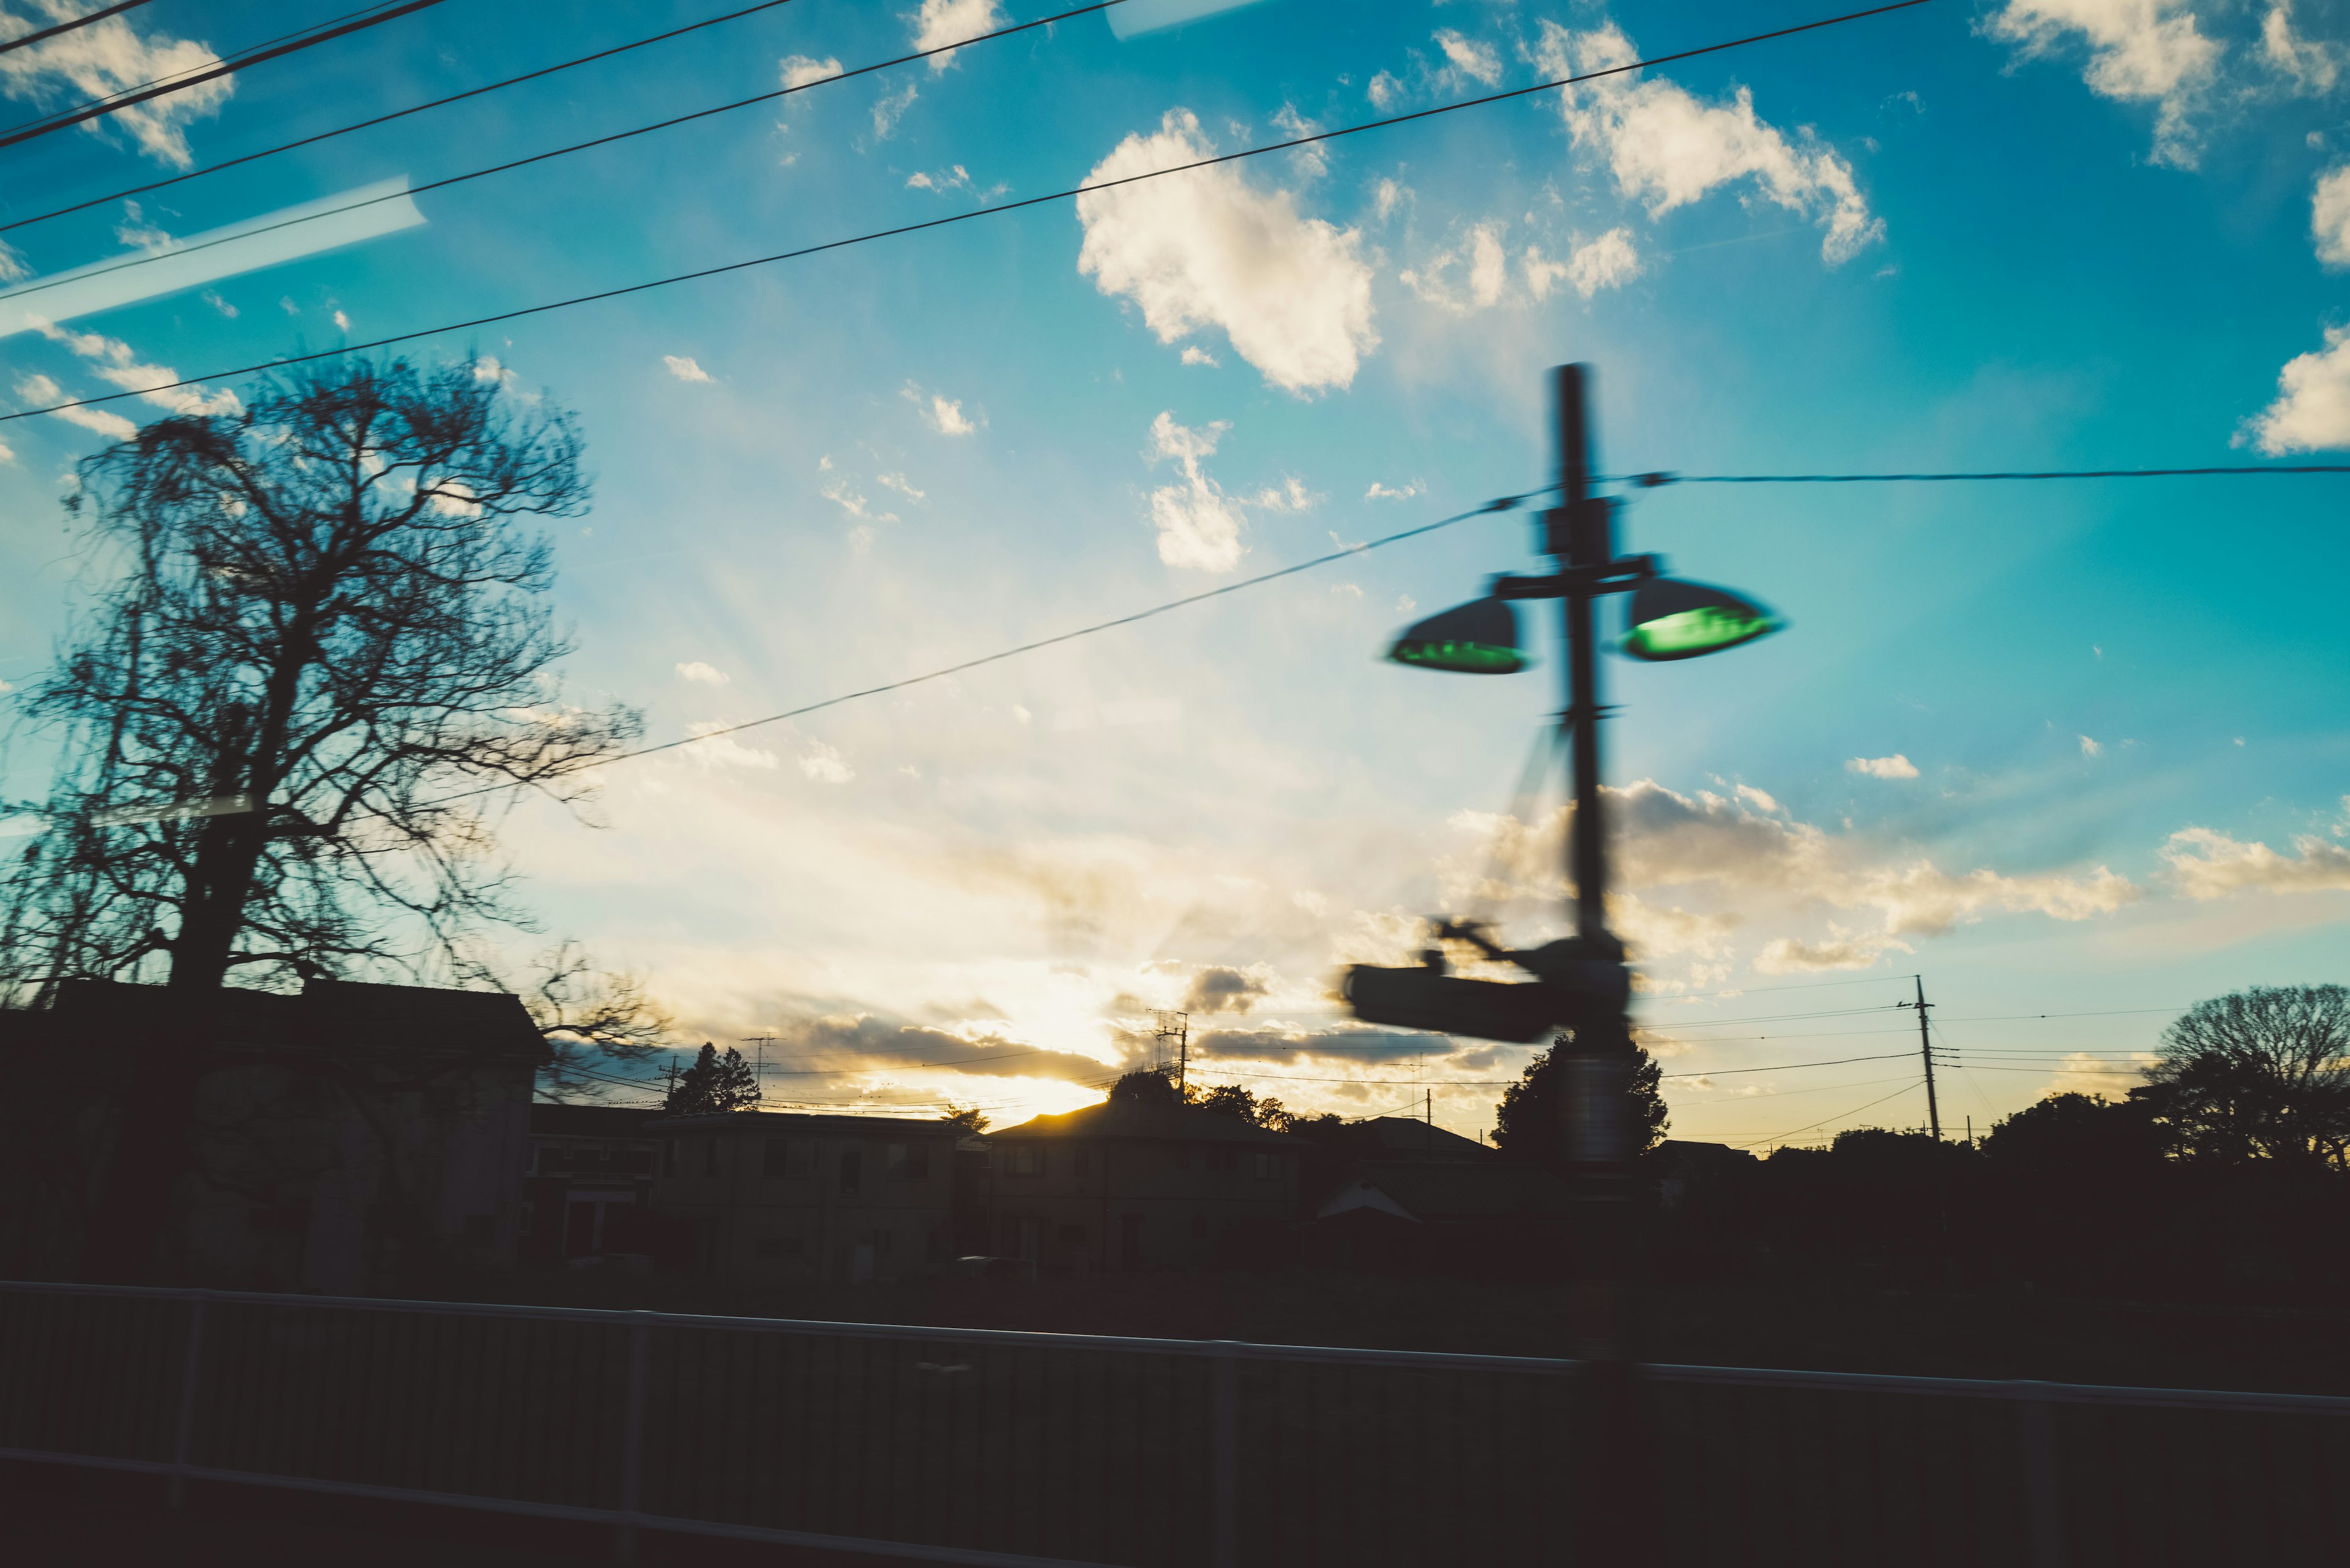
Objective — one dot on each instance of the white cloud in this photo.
(1607, 261)
(856, 505)
(801, 70)
(890, 108)
(1471, 57)
(1208, 249)
(114, 361)
(1198, 526)
(342, 322)
(138, 233)
(488, 369)
(725, 751)
(1294, 127)
(2308, 66)
(2311, 410)
(1895, 766)
(943, 414)
(898, 481)
(2329, 216)
(707, 674)
(2083, 1072)
(8, 459)
(1668, 148)
(2090, 747)
(683, 368)
(217, 303)
(39, 388)
(1383, 90)
(1379, 491)
(1789, 956)
(2140, 51)
(942, 22)
(825, 765)
(1387, 195)
(108, 58)
(1484, 265)
(1195, 355)
(2207, 863)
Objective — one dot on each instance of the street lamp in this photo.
(1670, 619)
(1480, 637)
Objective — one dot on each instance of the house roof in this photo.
(1409, 1138)
(1439, 1190)
(588, 1121)
(1141, 1119)
(391, 1020)
(780, 1122)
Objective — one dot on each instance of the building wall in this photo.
(1088, 1204)
(770, 1203)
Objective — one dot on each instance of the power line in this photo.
(396, 114)
(227, 67)
(1780, 1094)
(407, 192)
(1650, 481)
(25, 40)
(1653, 999)
(1783, 1017)
(1793, 1066)
(1824, 1121)
(1069, 194)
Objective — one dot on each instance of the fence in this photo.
(987, 1447)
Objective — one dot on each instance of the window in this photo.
(784, 1156)
(1268, 1166)
(1027, 1159)
(709, 1157)
(1085, 1162)
(908, 1162)
(669, 1156)
(852, 1171)
(1224, 1156)
(781, 1248)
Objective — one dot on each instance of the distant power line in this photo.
(1650, 481)
(120, 101)
(24, 39)
(1070, 194)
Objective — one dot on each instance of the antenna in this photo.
(760, 1041)
(1171, 1041)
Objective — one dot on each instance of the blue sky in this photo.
(2066, 749)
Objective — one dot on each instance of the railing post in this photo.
(2043, 1517)
(184, 1437)
(633, 1442)
(1224, 1542)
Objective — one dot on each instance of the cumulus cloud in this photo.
(1379, 491)
(1482, 269)
(1195, 355)
(901, 485)
(114, 361)
(1668, 148)
(2329, 216)
(1470, 58)
(941, 413)
(39, 388)
(107, 57)
(724, 750)
(683, 368)
(1607, 261)
(2311, 410)
(1895, 766)
(1789, 956)
(803, 70)
(855, 1042)
(1208, 249)
(825, 765)
(943, 21)
(2139, 51)
(1198, 526)
(890, 108)
(706, 674)
(2207, 863)
(2305, 65)
(1220, 988)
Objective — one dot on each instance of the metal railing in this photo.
(992, 1447)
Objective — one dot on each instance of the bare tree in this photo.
(591, 1019)
(321, 662)
(2261, 1073)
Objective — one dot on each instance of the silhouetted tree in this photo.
(324, 654)
(590, 1018)
(2258, 1075)
(1526, 1124)
(970, 1119)
(1236, 1102)
(1150, 1086)
(717, 1082)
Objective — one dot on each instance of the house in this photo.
(1410, 1137)
(342, 1136)
(1129, 1184)
(773, 1195)
(1450, 1216)
(587, 1164)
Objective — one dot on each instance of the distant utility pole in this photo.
(760, 1041)
(1174, 1044)
(1926, 1048)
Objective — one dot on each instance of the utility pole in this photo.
(1926, 1049)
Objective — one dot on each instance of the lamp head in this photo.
(1480, 637)
(1669, 618)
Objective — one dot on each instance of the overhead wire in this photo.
(407, 192)
(25, 40)
(1071, 193)
(396, 114)
(120, 101)
(1651, 481)
(1912, 1083)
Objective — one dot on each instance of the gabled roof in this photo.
(1437, 1190)
(777, 1123)
(1409, 1138)
(1141, 1119)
